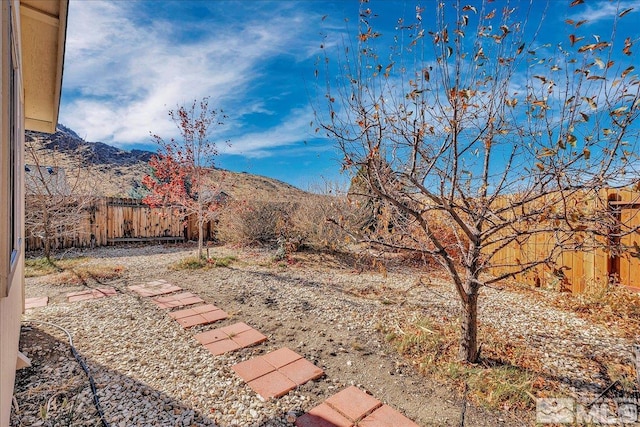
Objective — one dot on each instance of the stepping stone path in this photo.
(155, 288)
(229, 338)
(277, 373)
(273, 374)
(177, 300)
(90, 294)
(353, 407)
(200, 315)
(35, 302)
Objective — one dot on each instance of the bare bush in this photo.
(315, 222)
(59, 198)
(255, 222)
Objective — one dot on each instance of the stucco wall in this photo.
(10, 317)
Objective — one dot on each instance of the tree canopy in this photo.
(468, 122)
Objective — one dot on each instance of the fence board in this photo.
(113, 220)
(594, 265)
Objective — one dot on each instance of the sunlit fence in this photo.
(593, 259)
(107, 221)
(589, 259)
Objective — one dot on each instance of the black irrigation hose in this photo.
(96, 400)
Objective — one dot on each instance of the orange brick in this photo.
(35, 302)
(301, 371)
(273, 384)
(236, 328)
(220, 347)
(386, 416)
(353, 403)
(281, 357)
(187, 322)
(251, 369)
(205, 308)
(187, 312)
(323, 416)
(247, 338)
(214, 316)
(211, 336)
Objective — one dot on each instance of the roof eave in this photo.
(44, 32)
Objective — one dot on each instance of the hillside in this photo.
(118, 173)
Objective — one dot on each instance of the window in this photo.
(10, 155)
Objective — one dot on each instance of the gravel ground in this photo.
(149, 371)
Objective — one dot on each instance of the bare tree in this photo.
(182, 170)
(480, 135)
(60, 195)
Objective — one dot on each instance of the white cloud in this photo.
(294, 129)
(594, 12)
(122, 77)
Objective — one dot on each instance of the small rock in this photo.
(291, 417)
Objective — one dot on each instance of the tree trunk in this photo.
(200, 239)
(46, 234)
(47, 248)
(468, 350)
(200, 227)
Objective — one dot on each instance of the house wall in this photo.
(11, 202)
(10, 317)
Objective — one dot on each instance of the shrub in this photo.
(255, 222)
(316, 223)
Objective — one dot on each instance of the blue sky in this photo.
(129, 62)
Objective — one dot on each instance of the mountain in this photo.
(118, 173)
(67, 141)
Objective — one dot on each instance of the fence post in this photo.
(613, 249)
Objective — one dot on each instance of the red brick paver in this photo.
(229, 338)
(277, 373)
(177, 300)
(281, 357)
(254, 368)
(91, 294)
(221, 347)
(154, 288)
(353, 403)
(273, 384)
(200, 315)
(30, 303)
(353, 407)
(301, 371)
(386, 416)
(323, 415)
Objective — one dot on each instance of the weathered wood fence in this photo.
(113, 220)
(605, 260)
(110, 220)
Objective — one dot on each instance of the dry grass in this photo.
(506, 378)
(83, 274)
(193, 263)
(37, 267)
(510, 376)
(610, 305)
(70, 271)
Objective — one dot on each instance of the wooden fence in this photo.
(110, 220)
(595, 264)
